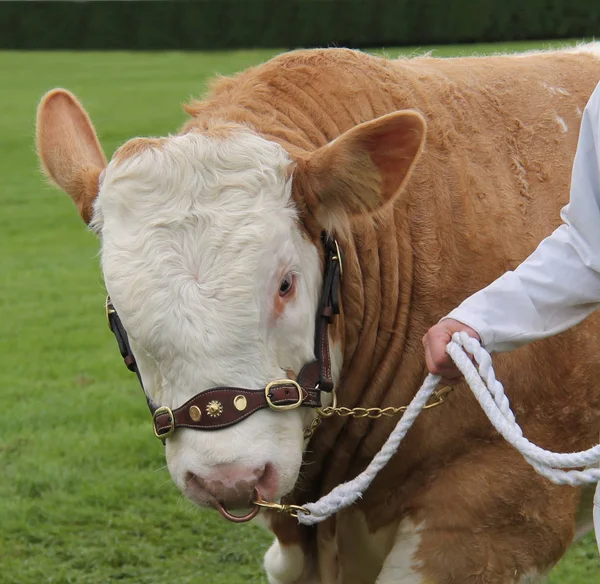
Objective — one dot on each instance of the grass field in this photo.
(84, 495)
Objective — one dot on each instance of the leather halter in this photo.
(221, 407)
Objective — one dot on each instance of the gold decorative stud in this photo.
(195, 413)
(240, 402)
(214, 409)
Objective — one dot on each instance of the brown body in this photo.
(489, 186)
(494, 173)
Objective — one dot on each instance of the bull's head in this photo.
(209, 263)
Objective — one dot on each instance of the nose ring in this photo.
(240, 518)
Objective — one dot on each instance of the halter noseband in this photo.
(221, 407)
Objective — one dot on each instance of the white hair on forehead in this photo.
(196, 173)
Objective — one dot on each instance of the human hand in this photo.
(435, 341)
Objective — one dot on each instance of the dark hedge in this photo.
(228, 24)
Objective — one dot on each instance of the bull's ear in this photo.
(69, 149)
(364, 168)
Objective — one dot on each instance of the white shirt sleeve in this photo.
(558, 285)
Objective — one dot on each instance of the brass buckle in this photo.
(169, 432)
(278, 383)
(109, 308)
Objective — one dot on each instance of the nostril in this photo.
(196, 488)
(193, 480)
(268, 482)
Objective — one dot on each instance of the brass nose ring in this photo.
(240, 518)
(237, 518)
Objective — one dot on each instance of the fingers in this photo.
(438, 361)
(435, 343)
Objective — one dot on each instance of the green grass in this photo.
(84, 495)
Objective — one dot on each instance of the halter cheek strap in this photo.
(117, 328)
(221, 407)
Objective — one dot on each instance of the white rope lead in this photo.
(490, 395)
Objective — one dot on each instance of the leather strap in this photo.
(221, 407)
(116, 326)
(328, 308)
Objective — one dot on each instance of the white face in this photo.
(216, 285)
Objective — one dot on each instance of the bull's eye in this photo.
(286, 285)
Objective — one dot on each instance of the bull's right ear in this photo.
(363, 169)
(69, 149)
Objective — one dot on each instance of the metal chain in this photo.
(371, 413)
